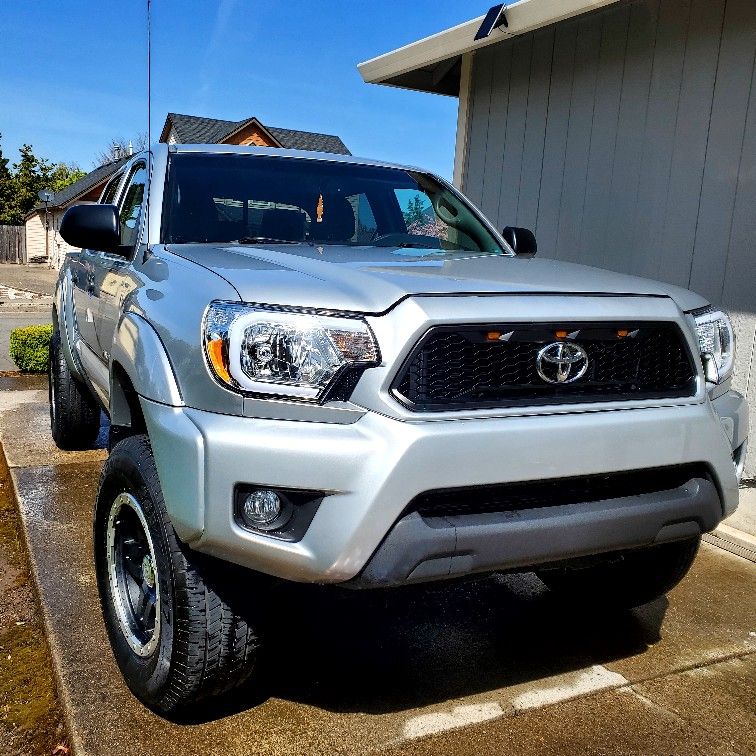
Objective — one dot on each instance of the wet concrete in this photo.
(633, 720)
(496, 666)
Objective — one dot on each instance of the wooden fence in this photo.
(12, 244)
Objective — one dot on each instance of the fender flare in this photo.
(66, 322)
(140, 353)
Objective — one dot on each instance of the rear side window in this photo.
(110, 190)
(131, 206)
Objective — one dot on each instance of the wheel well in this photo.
(126, 416)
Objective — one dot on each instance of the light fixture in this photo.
(262, 509)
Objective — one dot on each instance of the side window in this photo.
(131, 206)
(110, 190)
(366, 226)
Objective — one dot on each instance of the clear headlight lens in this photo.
(283, 352)
(716, 338)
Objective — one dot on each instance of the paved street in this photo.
(497, 666)
(16, 313)
(35, 277)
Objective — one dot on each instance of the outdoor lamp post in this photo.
(46, 195)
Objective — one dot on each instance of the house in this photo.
(42, 223)
(623, 132)
(187, 129)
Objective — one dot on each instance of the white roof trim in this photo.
(522, 16)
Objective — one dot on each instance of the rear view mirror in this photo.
(522, 240)
(92, 227)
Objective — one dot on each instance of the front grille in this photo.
(473, 367)
(534, 494)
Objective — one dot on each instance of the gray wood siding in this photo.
(626, 139)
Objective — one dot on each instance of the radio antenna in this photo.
(149, 122)
(149, 72)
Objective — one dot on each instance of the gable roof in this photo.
(200, 130)
(85, 184)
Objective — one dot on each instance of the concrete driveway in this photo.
(497, 666)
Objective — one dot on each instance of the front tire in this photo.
(177, 622)
(74, 414)
(634, 579)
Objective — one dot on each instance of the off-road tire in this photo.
(207, 641)
(635, 578)
(74, 413)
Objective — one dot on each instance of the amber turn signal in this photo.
(215, 353)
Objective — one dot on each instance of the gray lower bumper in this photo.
(418, 549)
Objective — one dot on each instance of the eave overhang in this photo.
(433, 64)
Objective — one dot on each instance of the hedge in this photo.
(30, 347)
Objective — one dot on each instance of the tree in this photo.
(119, 148)
(20, 186)
(416, 211)
(30, 175)
(6, 190)
(63, 175)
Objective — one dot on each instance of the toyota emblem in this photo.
(562, 362)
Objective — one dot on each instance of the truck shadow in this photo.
(385, 651)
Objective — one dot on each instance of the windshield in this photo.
(250, 199)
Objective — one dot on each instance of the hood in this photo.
(373, 279)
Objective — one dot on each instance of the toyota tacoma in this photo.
(323, 369)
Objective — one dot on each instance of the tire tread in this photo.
(214, 644)
(76, 423)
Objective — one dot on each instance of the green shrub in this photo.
(30, 347)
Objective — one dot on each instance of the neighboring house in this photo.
(187, 129)
(42, 224)
(623, 132)
(178, 129)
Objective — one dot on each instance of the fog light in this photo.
(261, 509)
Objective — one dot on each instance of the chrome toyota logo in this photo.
(562, 362)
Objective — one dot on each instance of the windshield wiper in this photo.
(264, 240)
(408, 245)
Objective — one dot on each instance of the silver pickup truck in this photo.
(324, 369)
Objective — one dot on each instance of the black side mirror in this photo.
(92, 227)
(522, 240)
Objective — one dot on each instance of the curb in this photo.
(735, 541)
(72, 735)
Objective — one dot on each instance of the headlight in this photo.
(288, 353)
(716, 338)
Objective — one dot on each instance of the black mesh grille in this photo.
(510, 497)
(495, 366)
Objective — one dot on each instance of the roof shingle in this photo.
(85, 184)
(199, 130)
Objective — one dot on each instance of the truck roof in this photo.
(278, 152)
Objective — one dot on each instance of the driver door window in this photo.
(116, 280)
(131, 206)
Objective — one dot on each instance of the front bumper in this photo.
(372, 468)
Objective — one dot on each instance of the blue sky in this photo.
(73, 73)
